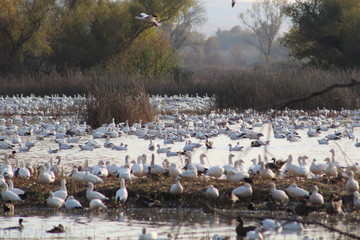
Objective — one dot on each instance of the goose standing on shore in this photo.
(62, 192)
(72, 203)
(121, 194)
(316, 198)
(54, 202)
(91, 194)
(8, 195)
(352, 185)
(177, 188)
(277, 195)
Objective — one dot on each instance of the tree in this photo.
(325, 33)
(264, 20)
(21, 34)
(179, 30)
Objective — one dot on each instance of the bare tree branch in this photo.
(287, 102)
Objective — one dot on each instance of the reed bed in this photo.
(125, 96)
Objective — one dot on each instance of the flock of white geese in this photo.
(196, 132)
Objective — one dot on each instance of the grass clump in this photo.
(118, 100)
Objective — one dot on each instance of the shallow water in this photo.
(128, 224)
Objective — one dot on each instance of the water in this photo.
(128, 224)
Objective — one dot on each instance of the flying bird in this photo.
(233, 3)
(148, 18)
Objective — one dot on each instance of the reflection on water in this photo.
(127, 224)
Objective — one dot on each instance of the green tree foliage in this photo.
(84, 33)
(22, 36)
(150, 55)
(325, 32)
(264, 20)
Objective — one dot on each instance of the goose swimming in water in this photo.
(241, 231)
(20, 227)
(147, 235)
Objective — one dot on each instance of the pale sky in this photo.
(220, 14)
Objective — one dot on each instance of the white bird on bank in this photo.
(91, 194)
(177, 188)
(316, 198)
(62, 192)
(148, 18)
(97, 204)
(244, 191)
(278, 195)
(212, 192)
(72, 203)
(121, 194)
(8, 195)
(296, 192)
(54, 202)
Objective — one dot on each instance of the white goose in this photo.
(174, 171)
(54, 202)
(215, 172)
(91, 194)
(100, 170)
(296, 192)
(72, 203)
(17, 191)
(266, 173)
(24, 172)
(316, 198)
(97, 204)
(89, 177)
(121, 194)
(8, 195)
(230, 165)
(270, 224)
(244, 191)
(176, 188)
(156, 168)
(212, 192)
(357, 200)
(147, 235)
(254, 235)
(62, 192)
(162, 149)
(352, 185)
(147, 18)
(276, 194)
(318, 169)
(77, 176)
(137, 167)
(235, 148)
(45, 177)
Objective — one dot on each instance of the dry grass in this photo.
(121, 100)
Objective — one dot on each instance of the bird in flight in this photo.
(148, 18)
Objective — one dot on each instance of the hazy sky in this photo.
(220, 14)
